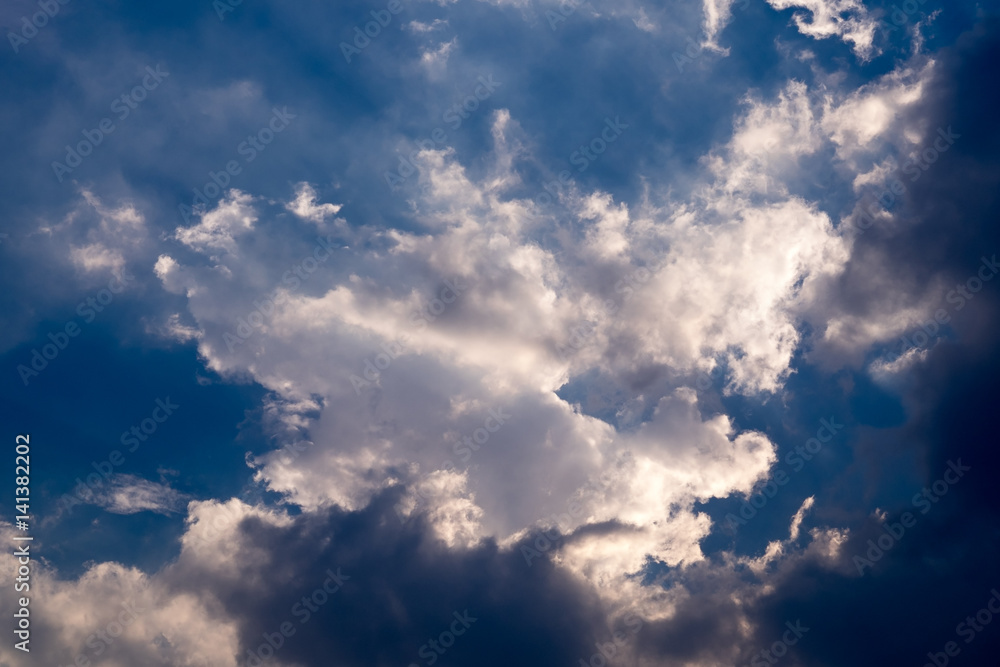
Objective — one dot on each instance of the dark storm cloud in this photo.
(915, 593)
(352, 122)
(400, 589)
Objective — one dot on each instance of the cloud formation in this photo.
(528, 385)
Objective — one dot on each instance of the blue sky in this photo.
(655, 268)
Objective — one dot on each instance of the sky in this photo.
(489, 332)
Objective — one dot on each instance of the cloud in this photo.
(304, 205)
(743, 260)
(375, 384)
(128, 494)
(101, 249)
(732, 276)
(219, 227)
(717, 15)
(435, 59)
(847, 19)
(387, 337)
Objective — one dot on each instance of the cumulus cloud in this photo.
(740, 259)
(122, 617)
(431, 386)
(245, 570)
(382, 381)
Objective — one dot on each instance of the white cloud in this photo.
(735, 269)
(96, 257)
(421, 27)
(717, 15)
(219, 227)
(111, 234)
(890, 371)
(304, 205)
(128, 494)
(121, 617)
(214, 544)
(720, 287)
(847, 19)
(435, 59)
(874, 117)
